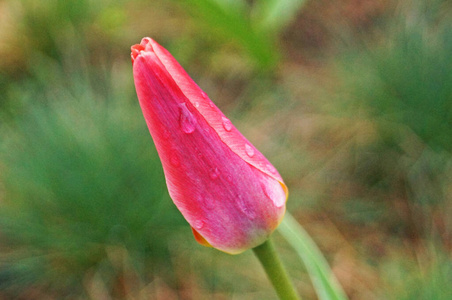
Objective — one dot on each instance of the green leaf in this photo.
(230, 19)
(275, 15)
(323, 279)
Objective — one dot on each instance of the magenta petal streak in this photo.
(225, 188)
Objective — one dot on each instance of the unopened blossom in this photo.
(229, 193)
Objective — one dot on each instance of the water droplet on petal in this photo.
(249, 150)
(174, 159)
(243, 206)
(229, 178)
(214, 173)
(204, 95)
(274, 191)
(271, 168)
(196, 104)
(199, 224)
(187, 121)
(226, 124)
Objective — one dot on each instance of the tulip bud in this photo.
(229, 193)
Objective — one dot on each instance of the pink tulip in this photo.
(229, 193)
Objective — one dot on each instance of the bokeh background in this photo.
(350, 99)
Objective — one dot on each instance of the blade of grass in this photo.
(231, 20)
(323, 279)
(274, 15)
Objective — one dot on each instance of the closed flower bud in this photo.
(229, 193)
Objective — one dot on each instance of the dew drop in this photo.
(187, 121)
(274, 191)
(199, 224)
(243, 206)
(174, 159)
(249, 150)
(204, 95)
(229, 178)
(196, 104)
(266, 192)
(226, 124)
(214, 173)
(271, 169)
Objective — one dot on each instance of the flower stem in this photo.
(269, 259)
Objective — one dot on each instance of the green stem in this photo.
(275, 271)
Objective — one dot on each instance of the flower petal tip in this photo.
(135, 51)
(145, 45)
(200, 239)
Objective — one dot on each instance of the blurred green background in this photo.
(350, 99)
